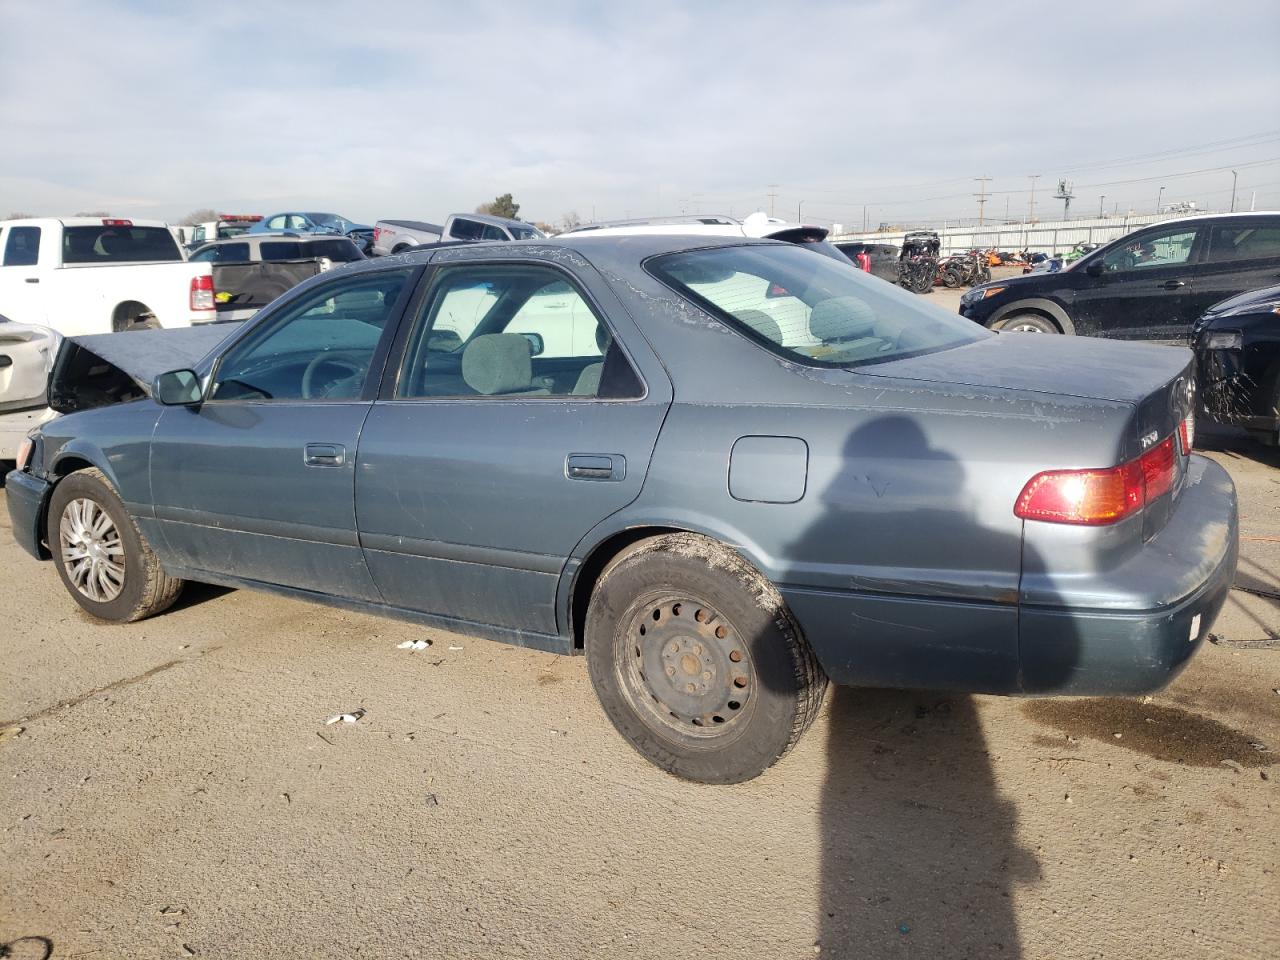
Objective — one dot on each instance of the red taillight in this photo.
(1187, 432)
(117, 223)
(1094, 497)
(377, 233)
(202, 293)
(864, 261)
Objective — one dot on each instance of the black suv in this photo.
(1149, 285)
(878, 259)
(1237, 345)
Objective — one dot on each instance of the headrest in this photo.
(497, 363)
(761, 323)
(841, 318)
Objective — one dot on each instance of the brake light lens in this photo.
(1098, 497)
(117, 223)
(864, 261)
(377, 234)
(1187, 432)
(24, 452)
(202, 293)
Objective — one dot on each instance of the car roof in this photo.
(1244, 214)
(259, 237)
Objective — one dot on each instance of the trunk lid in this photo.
(1157, 381)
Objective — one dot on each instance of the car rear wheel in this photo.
(697, 661)
(104, 561)
(1028, 323)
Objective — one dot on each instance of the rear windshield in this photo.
(118, 245)
(526, 233)
(811, 308)
(340, 251)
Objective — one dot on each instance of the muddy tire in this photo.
(697, 661)
(1028, 323)
(104, 561)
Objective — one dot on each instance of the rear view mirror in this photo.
(178, 388)
(1094, 267)
(536, 345)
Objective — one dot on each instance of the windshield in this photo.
(811, 308)
(526, 233)
(328, 219)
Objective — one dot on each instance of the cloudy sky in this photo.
(416, 110)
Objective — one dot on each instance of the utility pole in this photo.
(1031, 204)
(798, 206)
(1101, 200)
(864, 218)
(1159, 197)
(1233, 191)
(981, 195)
(772, 197)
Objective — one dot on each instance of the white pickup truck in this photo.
(396, 236)
(82, 275)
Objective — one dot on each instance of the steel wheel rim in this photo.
(686, 667)
(1024, 327)
(92, 552)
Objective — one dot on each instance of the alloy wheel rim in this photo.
(92, 553)
(686, 666)
(1025, 328)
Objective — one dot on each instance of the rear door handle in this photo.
(32, 279)
(595, 466)
(324, 454)
(1173, 284)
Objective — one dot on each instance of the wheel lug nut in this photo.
(674, 648)
(706, 675)
(671, 671)
(697, 649)
(690, 688)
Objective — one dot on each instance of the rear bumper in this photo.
(1130, 648)
(28, 498)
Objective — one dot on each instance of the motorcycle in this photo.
(918, 261)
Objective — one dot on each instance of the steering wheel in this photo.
(356, 363)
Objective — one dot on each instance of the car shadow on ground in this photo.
(920, 849)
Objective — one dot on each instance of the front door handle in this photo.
(32, 279)
(1173, 284)
(324, 454)
(595, 466)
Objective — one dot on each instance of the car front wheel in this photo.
(104, 561)
(697, 661)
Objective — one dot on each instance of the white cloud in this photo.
(417, 110)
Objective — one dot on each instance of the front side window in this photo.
(512, 331)
(319, 348)
(339, 250)
(808, 308)
(1151, 250)
(522, 232)
(22, 247)
(276, 222)
(1244, 242)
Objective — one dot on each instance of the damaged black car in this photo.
(1237, 345)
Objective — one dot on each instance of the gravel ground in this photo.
(174, 791)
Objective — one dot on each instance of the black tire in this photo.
(735, 684)
(134, 316)
(1028, 323)
(143, 587)
(952, 278)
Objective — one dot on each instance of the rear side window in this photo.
(223, 253)
(281, 250)
(1244, 242)
(22, 249)
(811, 309)
(118, 244)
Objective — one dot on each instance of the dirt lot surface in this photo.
(170, 789)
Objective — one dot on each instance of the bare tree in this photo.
(93, 213)
(571, 220)
(203, 215)
(20, 216)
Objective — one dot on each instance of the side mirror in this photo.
(536, 344)
(178, 388)
(1094, 267)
